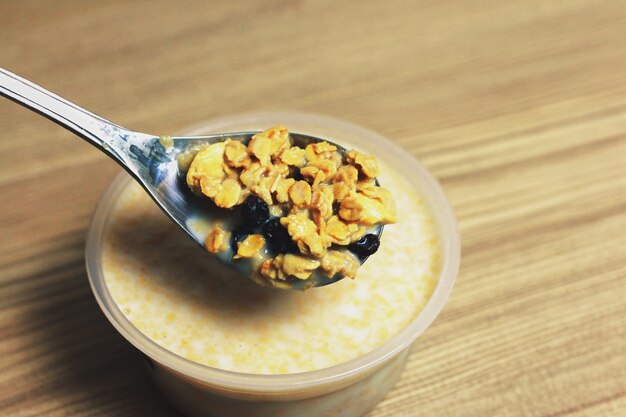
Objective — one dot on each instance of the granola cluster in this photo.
(325, 201)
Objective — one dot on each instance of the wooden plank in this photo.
(518, 107)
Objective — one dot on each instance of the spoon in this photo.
(149, 159)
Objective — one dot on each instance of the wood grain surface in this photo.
(518, 107)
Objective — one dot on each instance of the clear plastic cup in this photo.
(349, 389)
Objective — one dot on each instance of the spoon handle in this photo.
(112, 139)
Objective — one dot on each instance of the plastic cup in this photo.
(349, 389)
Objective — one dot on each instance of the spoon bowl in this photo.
(160, 175)
(152, 161)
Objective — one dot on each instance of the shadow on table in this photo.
(95, 370)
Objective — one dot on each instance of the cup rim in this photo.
(302, 381)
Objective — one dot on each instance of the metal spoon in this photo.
(148, 158)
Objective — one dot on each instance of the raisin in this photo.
(278, 238)
(365, 246)
(296, 175)
(254, 212)
(237, 237)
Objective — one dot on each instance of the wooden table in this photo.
(518, 107)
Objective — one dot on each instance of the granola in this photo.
(250, 247)
(217, 240)
(323, 202)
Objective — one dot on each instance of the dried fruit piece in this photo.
(365, 246)
(238, 236)
(278, 238)
(254, 212)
